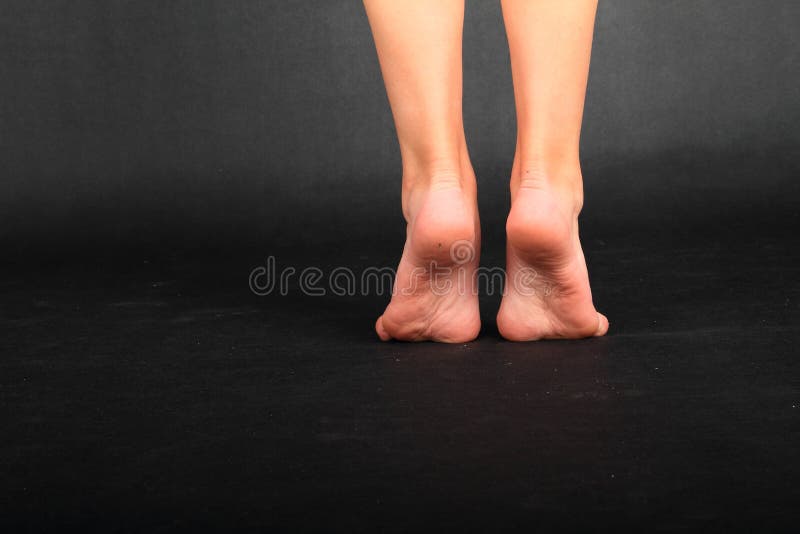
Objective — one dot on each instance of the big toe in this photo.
(602, 325)
(379, 328)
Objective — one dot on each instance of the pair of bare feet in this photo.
(546, 294)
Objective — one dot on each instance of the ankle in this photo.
(561, 177)
(418, 180)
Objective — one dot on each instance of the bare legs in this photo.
(547, 290)
(419, 47)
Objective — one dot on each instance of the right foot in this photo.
(434, 297)
(547, 285)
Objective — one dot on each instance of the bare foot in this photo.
(547, 291)
(434, 295)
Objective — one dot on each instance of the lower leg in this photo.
(419, 47)
(548, 292)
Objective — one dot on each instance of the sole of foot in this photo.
(547, 294)
(434, 297)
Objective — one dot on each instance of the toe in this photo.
(602, 325)
(382, 333)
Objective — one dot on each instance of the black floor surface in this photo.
(162, 394)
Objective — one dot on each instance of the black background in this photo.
(154, 153)
(177, 122)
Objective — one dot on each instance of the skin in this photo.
(547, 288)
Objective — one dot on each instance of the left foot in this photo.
(434, 297)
